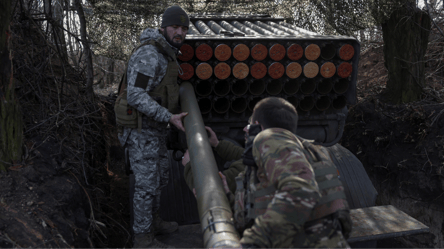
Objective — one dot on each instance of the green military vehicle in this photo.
(228, 64)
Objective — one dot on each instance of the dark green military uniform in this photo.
(229, 152)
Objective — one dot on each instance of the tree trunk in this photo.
(86, 50)
(110, 72)
(11, 122)
(405, 37)
(57, 13)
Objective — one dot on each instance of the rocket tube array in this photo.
(232, 76)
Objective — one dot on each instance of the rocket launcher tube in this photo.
(253, 102)
(270, 28)
(241, 52)
(221, 105)
(341, 86)
(216, 27)
(239, 105)
(307, 103)
(187, 52)
(345, 69)
(325, 86)
(294, 51)
(203, 51)
(222, 70)
(244, 28)
(222, 87)
(258, 51)
(328, 69)
(312, 52)
(257, 28)
(188, 71)
(203, 88)
(328, 51)
(277, 26)
(308, 86)
(339, 102)
(274, 87)
(293, 70)
(213, 207)
(323, 103)
(192, 30)
(293, 100)
(291, 87)
(257, 87)
(203, 28)
(205, 105)
(240, 70)
(346, 52)
(230, 27)
(239, 87)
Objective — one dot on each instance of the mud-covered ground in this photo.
(61, 196)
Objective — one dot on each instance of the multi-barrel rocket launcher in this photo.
(235, 62)
(228, 64)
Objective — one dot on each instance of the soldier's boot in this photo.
(163, 227)
(147, 240)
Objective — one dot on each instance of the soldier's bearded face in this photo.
(175, 35)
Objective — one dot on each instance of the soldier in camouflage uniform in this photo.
(146, 145)
(297, 200)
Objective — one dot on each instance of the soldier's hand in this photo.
(185, 158)
(213, 138)
(176, 120)
(224, 182)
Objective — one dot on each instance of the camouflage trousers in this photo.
(149, 163)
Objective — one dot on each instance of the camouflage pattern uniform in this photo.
(229, 152)
(147, 150)
(286, 222)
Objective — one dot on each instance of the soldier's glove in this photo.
(247, 156)
(249, 246)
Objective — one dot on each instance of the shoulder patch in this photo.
(141, 81)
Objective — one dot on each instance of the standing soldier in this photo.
(290, 194)
(149, 100)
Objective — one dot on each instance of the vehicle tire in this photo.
(359, 190)
(177, 201)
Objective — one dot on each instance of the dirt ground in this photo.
(47, 200)
(401, 148)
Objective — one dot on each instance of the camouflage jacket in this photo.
(229, 152)
(281, 162)
(152, 65)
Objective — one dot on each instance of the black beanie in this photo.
(175, 15)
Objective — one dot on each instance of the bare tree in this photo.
(11, 124)
(86, 50)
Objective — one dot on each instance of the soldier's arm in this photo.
(228, 150)
(296, 196)
(230, 174)
(143, 68)
(187, 172)
(188, 175)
